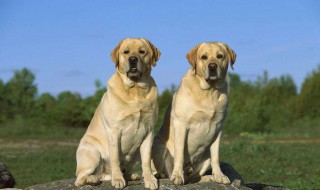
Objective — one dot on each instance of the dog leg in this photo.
(159, 151)
(117, 179)
(88, 159)
(180, 133)
(128, 175)
(131, 177)
(202, 168)
(218, 176)
(145, 150)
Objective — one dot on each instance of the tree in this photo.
(308, 102)
(164, 100)
(2, 103)
(70, 109)
(91, 103)
(20, 93)
(260, 106)
(45, 109)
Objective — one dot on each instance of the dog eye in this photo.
(219, 56)
(126, 52)
(204, 57)
(142, 52)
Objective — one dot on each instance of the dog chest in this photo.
(138, 125)
(203, 123)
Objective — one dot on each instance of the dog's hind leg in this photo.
(129, 167)
(158, 158)
(88, 161)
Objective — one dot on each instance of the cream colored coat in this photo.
(122, 127)
(188, 141)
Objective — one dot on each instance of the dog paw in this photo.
(93, 180)
(150, 182)
(206, 178)
(135, 177)
(221, 179)
(177, 178)
(159, 176)
(118, 181)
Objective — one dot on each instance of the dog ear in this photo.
(232, 55)
(115, 54)
(155, 52)
(192, 56)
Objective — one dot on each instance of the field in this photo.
(289, 157)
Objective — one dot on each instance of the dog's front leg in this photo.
(145, 150)
(218, 176)
(180, 133)
(117, 179)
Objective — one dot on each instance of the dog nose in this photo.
(133, 60)
(212, 66)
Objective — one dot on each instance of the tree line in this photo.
(261, 105)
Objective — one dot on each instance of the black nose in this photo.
(212, 66)
(133, 60)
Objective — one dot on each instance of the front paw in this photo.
(93, 180)
(220, 178)
(118, 181)
(177, 178)
(150, 182)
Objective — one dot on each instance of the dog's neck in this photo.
(128, 83)
(204, 85)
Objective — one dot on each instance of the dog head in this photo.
(210, 61)
(134, 57)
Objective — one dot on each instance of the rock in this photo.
(165, 184)
(6, 179)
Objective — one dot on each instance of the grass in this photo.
(41, 154)
(292, 165)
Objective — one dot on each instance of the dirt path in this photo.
(35, 143)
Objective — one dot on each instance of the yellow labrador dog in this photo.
(188, 141)
(124, 120)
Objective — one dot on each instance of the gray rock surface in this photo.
(165, 184)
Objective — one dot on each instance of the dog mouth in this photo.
(212, 72)
(134, 74)
(133, 70)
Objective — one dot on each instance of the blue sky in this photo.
(67, 43)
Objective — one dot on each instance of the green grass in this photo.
(292, 165)
(41, 154)
(33, 166)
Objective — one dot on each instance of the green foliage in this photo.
(2, 101)
(90, 103)
(19, 95)
(164, 100)
(260, 106)
(263, 105)
(20, 103)
(308, 102)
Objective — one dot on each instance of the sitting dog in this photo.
(188, 141)
(122, 125)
